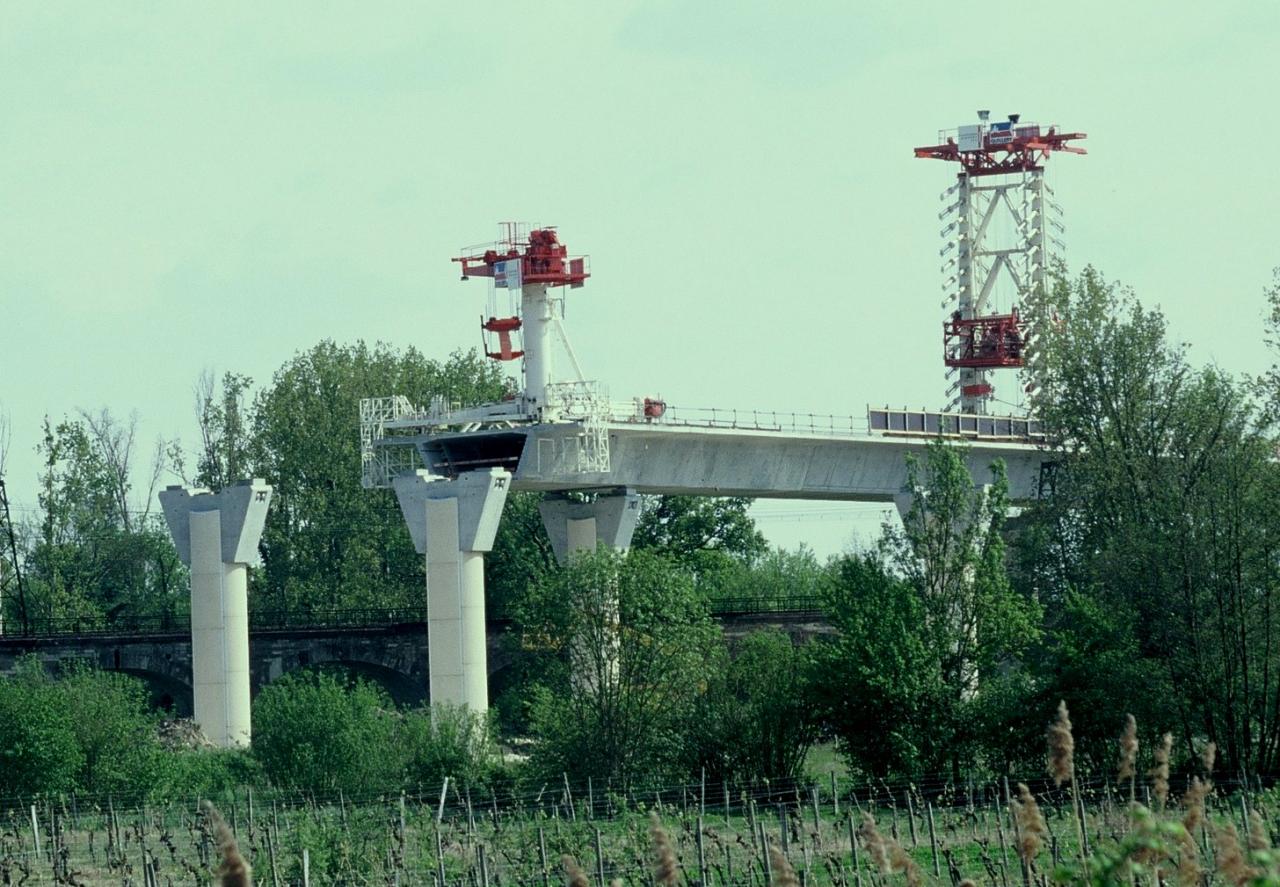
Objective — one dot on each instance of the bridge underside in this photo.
(713, 462)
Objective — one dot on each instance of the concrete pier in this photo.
(453, 523)
(217, 538)
(580, 526)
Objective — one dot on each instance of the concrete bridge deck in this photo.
(756, 455)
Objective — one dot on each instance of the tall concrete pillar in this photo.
(453, 523)
(581, 526)
(217, 535)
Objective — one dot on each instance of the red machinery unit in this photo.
(1002, 148)
(988, 342)
(544, 260)
(504, 327)
(539, 259)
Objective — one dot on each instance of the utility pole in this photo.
(11, 540)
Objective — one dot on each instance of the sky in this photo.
(219, 186)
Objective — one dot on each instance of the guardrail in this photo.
(741, 420)
(385, 617)
(749, 606)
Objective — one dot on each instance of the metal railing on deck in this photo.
(742, 420)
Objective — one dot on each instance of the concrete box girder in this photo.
(727, 462)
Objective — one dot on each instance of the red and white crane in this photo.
(998, 240)
(534, 268)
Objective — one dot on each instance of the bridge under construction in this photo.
(559, 433)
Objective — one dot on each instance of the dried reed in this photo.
(1259, 836)
(1190, 873)
(234, 870)
(1129, 755)
(1062, 746)
(1031, 825)
(783, 874)
(874, 842)
(1193, 801)
(1230, 855)
(574, 876)
(1062, 767)
(887, 854)
(666, 868)
(1160, 772)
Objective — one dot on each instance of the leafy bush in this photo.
(113, 727)
(39, 752)
(447, 740)
(629, 638)
(86, 729)
(216, 774)
(314, 732)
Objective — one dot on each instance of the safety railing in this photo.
(794, 604)
(781, 421)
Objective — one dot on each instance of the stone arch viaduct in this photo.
(392, 655)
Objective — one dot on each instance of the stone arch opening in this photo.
(166, 693)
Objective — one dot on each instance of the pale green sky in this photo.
(217, 186)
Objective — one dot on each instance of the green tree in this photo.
(444, 740)
(114, 729)
(629, 641)
(687, 527)
(328, 542)
(38, 749)
(225, 418)
(881, 685)
(926, 626)
(94, 556)
(521, 555)
(757, 717)
(1163, 507)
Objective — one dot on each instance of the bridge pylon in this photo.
(217, 535)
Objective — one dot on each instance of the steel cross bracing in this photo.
(977, 265)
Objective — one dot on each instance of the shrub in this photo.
(38, 748)
(447, 740)
(757, 716)
(630, 638)
(214, 774)
(312, 731)
(113, 726)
